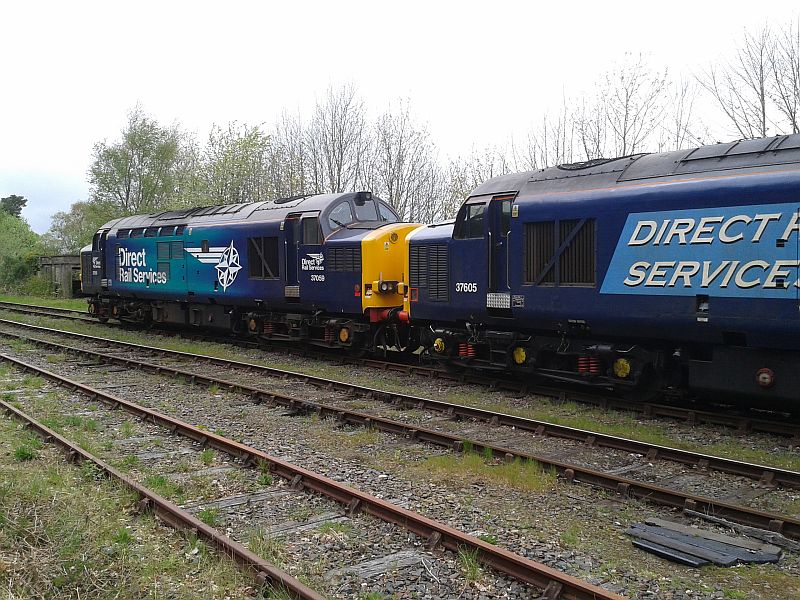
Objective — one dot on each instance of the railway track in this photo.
(299, 481)
(728, 417)
(571, 471)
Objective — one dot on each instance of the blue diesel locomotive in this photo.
(323, 269)
(676, 271)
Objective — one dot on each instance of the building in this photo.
(64, 272)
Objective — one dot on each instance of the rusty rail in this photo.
(764, 474)
(573, 473)
(171, 514)
(557, 584)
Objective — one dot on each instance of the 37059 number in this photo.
(463, 286)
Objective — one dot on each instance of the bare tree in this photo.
(633, 95)
(336, 140)
(785, 75)
(741, 87)
(551, 143)
(289, 161)
(403, 163)
(591, 121)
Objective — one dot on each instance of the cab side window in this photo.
(470, 222)
(312, 234)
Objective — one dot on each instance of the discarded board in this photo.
(696, 547)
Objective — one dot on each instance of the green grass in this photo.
(265, 479)
(528, 476)
(267, 547)
(209, 516)
(63, 536)
(488, 538)
(207, 456)
(24, 452)
(468, 562)
(570, 537)
(126, 429)
(336, 527)
(78, 304)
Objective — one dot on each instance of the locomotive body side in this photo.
(623, 275)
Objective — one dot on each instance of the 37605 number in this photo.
(463, 286)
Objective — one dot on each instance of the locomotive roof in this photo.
(763, 154)
(269, 210)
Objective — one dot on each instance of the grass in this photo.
(570, 537)
(265, 479)
(64, 536)
(209, 516)
(207, 456)
(78, 304)
(336, 527)
(267, 547)
(468, 562)
(24, 452)
(126, 429)
(523, 475)
(488, 538)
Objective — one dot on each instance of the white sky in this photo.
(475, 72)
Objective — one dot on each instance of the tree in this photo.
(139, 172)
(402, 164)
(72, 230)
(13, 205)
(337, 141)
(235, 164)
(634, 103)
(18, 249)
(785, 80)
(741, 87)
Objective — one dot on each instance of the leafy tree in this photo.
(13, 205)
(72, 230)
(138, 173)
(19, 247)
(235, 165)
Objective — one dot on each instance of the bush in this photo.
(36, 285)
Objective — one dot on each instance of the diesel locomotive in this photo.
(674, 271)
(323, 269)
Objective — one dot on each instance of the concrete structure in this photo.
(64, 272)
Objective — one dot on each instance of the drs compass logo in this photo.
(225, 260)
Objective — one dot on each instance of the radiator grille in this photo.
(344, 259)
(429, 268)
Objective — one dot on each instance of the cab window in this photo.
(340, 216)
(366, 212)
(386, 213)
(470, 222)
(311, 231)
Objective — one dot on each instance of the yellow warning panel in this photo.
(384, 281)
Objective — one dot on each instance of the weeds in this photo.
(468, 561)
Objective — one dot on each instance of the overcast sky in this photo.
(475, 72)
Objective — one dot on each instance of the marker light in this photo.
(519, 355)
(622, 368)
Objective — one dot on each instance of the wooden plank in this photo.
(379, 566)
(711, 535)
(670, 554)
(723, 560)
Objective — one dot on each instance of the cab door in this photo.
(291, 249)
(498, 233)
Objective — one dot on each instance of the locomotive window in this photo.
(366, 212)
(136, 233)
(204, 246)
(386, 213)
(122, 234)
(262, 257)
(151, 232)
(165, 231)
(340, 216)
(311, 231)
(505, 217)
(96, 242)
(179, 229)
(176, 250)
(162, 250)
(470, 224)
